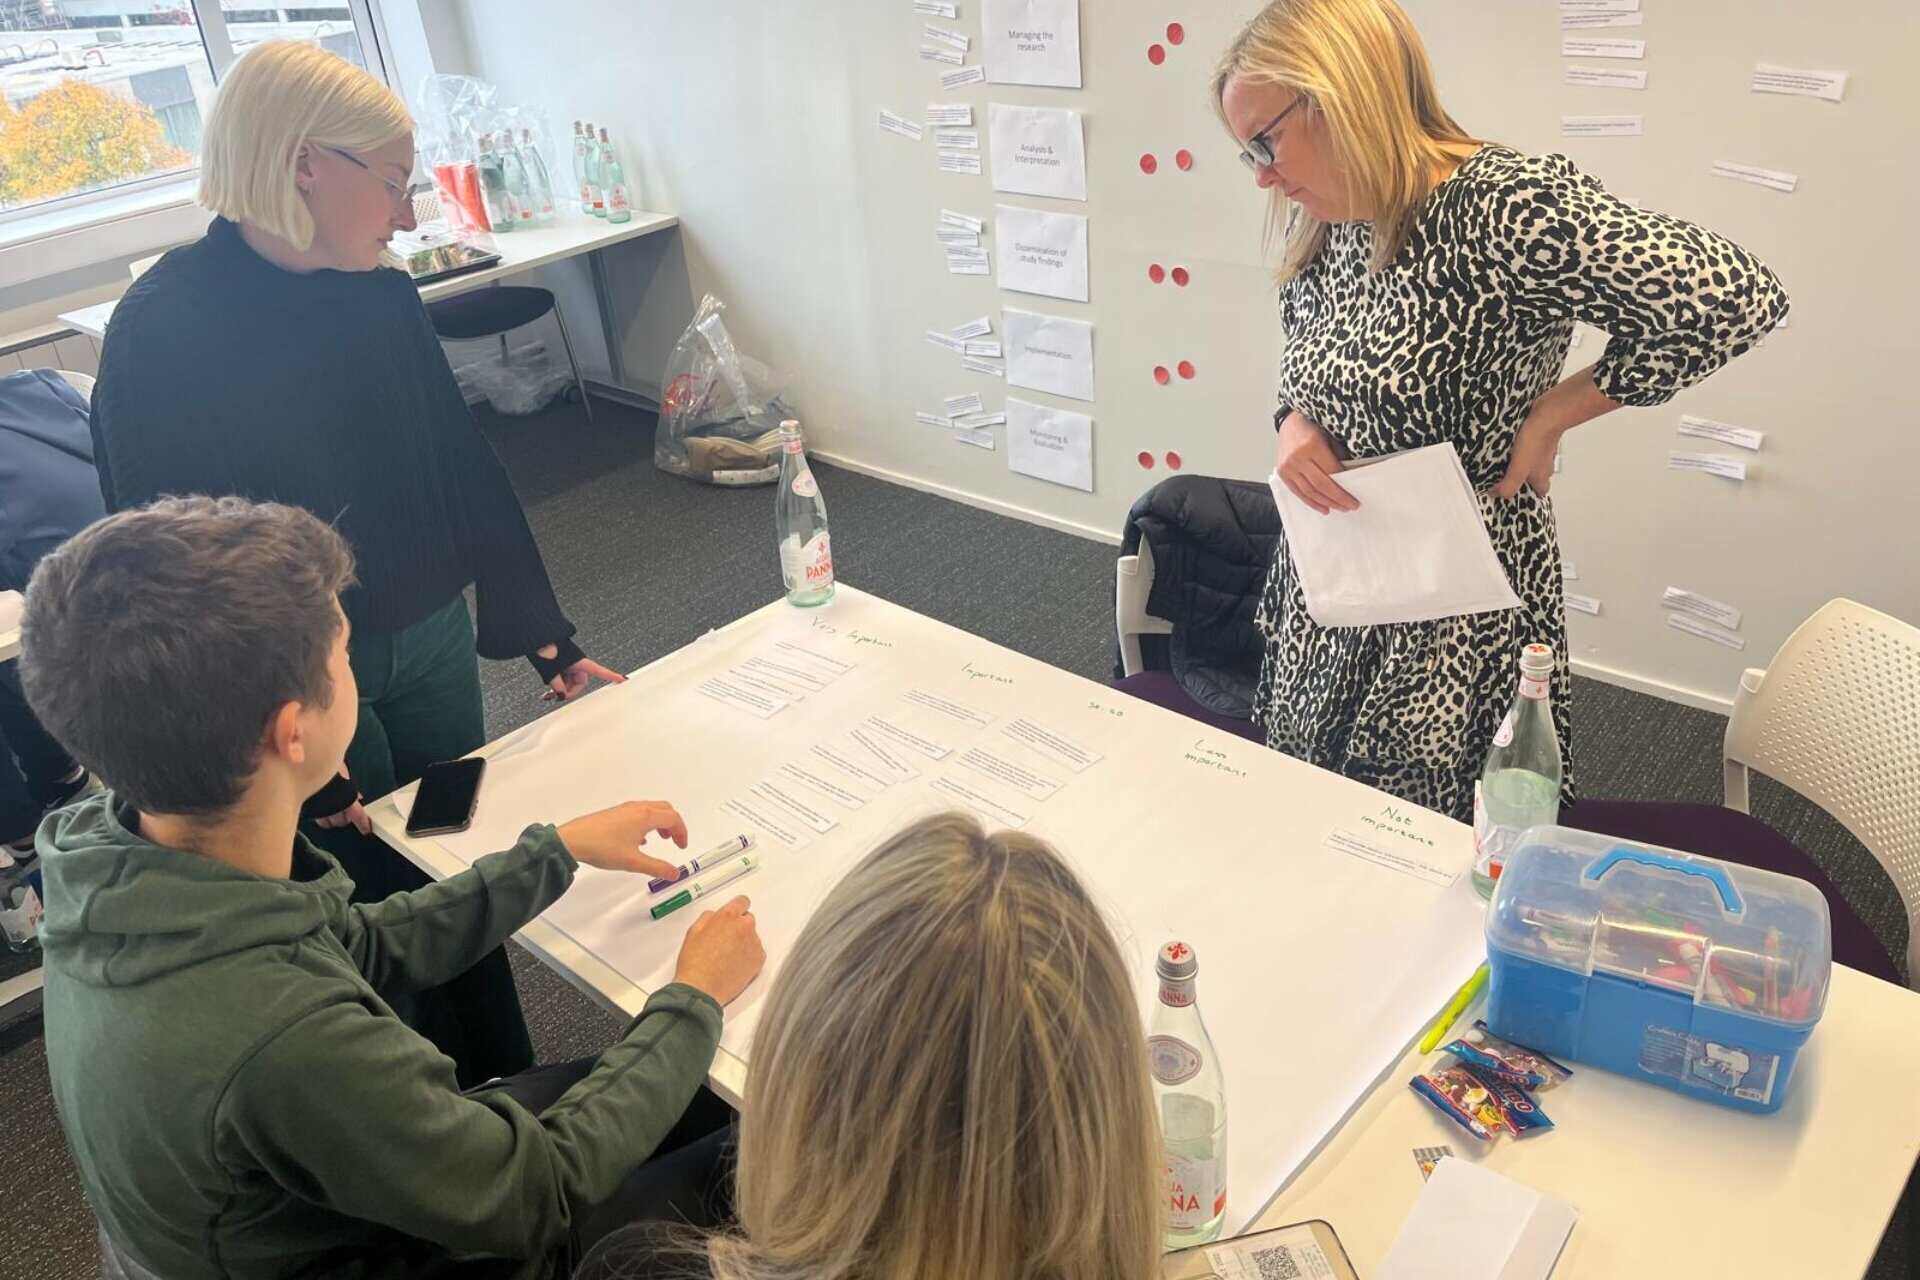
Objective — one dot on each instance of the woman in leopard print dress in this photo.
(1428, 293)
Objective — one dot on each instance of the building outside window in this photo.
(100, 97)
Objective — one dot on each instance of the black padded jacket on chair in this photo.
(1212, 541)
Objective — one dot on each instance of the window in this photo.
(98, 97)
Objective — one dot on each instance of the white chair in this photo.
(1837, 718)
(1132, 584)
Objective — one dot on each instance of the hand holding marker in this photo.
(711, 858)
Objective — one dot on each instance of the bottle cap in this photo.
(790, 426)
(1536, 660)
(1177, 962)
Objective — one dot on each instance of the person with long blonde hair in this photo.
(275, 358)
(1428, 284)
(949, 1082)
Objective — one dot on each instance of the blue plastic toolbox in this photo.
(1680, 970)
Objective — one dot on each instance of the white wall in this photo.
(755, 123)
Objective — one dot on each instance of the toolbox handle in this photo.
(1729, 896)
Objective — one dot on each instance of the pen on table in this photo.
(1461, 999)
(719, 853)
(701, 888)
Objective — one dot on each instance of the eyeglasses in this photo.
(1258, 153)
(400, 191)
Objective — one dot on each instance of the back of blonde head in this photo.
(1362, 66)
(950, 1080)
(278, 98)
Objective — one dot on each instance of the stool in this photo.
(483, 313)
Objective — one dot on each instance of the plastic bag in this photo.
(520, 388)
(720, 412)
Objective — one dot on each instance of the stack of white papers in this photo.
(1416, 549)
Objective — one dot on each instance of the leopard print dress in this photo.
(1453, 340)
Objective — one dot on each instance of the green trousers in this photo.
(420, 703)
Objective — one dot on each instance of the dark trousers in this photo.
(33, 766)
(688, 1180)
(420, 703)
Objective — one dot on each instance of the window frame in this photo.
(210, 21)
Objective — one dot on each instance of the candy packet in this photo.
(1505, 1060)
(1482, 1104)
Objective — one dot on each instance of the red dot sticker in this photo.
(1180, 276)
(1173, 460)
(1186, 368)
(1160, 374)
(1183, 158)
(1175, 33)
(1156, 55)
(1148, 164)
(1157, 273)
(1146, 460)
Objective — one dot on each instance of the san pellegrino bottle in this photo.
(614, 179)
(593, 195)
(513, 171)
(1520, 785)
(800, 524)
(1191, 1095)
(493, 187)
(539, 184)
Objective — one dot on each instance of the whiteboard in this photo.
(756, 124)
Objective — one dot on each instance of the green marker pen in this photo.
(701, 888)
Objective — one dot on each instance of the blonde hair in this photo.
(1362, 67)
(950, 1080)
(276, 99)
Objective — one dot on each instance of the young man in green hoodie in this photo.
(240, 1098)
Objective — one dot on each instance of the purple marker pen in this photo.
(727, 849)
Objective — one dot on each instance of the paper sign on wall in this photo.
(1031, 41)
(1049, 353)
(1038, 151)
(1055, 445)
(1043, 253)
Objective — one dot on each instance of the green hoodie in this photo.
(242, 1101)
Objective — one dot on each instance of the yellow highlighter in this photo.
(1454, 1007)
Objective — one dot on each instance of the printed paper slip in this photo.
(783, 672)
(752, 701)
(783, 796)
(885, 755)
(1010, 772)
(845, 797)
(757, 814)
(847, 762)
(900, 735)
(1408, 861)
(946, 707)
(1051, 744)
(984, 805)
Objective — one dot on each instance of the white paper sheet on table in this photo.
(1269, 909)
(1416, 550)
(1471, 1223)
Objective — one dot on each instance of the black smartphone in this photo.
(448, 792)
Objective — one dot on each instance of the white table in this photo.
(570, 235)
(1666, 1185)
(11, 603)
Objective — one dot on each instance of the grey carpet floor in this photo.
(645, 562)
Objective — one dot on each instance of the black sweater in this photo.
(223, 374)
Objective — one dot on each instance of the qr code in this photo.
(1276, 1263)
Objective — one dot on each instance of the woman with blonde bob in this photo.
(275, 359)
(1429, 284)
(949, 1082)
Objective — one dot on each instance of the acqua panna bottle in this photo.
(1191, 1095)
(1519, 786)
(800, 525)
